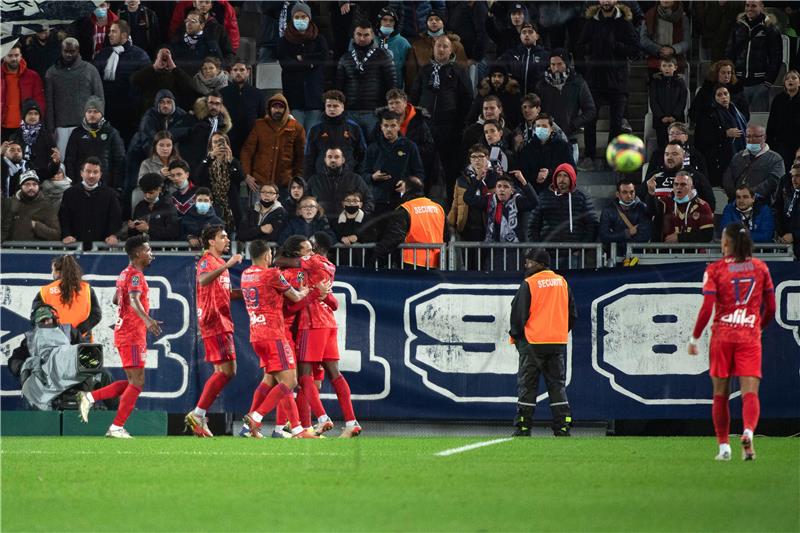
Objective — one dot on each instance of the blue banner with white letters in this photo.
(434, 345)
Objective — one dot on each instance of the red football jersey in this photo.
(130, 330)
(262, 289)
(213, 300)
(739, 289)
(318, 314)
(295, 277)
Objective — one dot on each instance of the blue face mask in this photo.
(542, 133)
(300, 24)
(684, 200)
(436, 33)
(202, 207)
(753, 148)
(627, 204)
(100, 13)
(387, 30)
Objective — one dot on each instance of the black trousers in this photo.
(616, 101)
(533, 362)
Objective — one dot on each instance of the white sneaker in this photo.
(84, 406)
(120, 433)
(723, 456)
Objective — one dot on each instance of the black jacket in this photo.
(178, 124)
(551, 220)
(298, 226)
(145, 29)
(105, 144)
(572, 107)
(250, 229)
(400, 159)
(782, 129)
(366, 90)
(303, 81)
(190, 59)
(119, 94)
(202, 179)
(89, 215)
(704, 98)
(469, 22)
(711, 140)
(787, 212)
(668, 97)
(756, 49)
(607, 44)
(337, 131)
(39, 158)
(476, 196)
(192, 223)
(162, 220)
(449, 104)
(613, 228)
(330, 190)
(549, 155)
(245, 104)
(526, 64)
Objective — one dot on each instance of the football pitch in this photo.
(396, 484)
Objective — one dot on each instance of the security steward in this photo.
(542, 315)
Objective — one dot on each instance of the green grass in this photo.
(378, 484)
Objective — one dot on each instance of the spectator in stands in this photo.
(693, 159)
(309, 220)
(163, 74)
(53, 188)
(756, 166)
(784, 116)
(713, 22)
(162, 153)
(163, 115)
(443, 88)
(364, 74)
(528, 60)
(154, 214)
(473, 134)
(668, 96)
(42, 49)
(665, 34)
(390, 159)
(68, 84)
(267, 218)
(719, 73)
(38, 147)
(414, 16)
(787, 206)
(90, 210)
(469, 221)
(756, 49)
(683, 216)
(220, 19)
(501, 158)
(144, 25)
(200, 215)
(92, 30)
(245, 104)
(222, 174)
(97, 137)
(627, 220)
(566, 97)
(185, 193)
(387, 36)
(565, 213)
(505, 24)
(337, 181)
(757, 217)
(20, 83)
(661, 177)
(210, 78)
(543, 155)
(720, 133)
(14, 165)
(290, 198)
(350, 220)
(303, 52)
(335, 129)
(210, 117)
(196, 44)
(273, 152)
(28, 215)
(512, 196)
(525, 133)
(116, 63)
(607, 42)
(507, 89)
(468, 21)
(421, 51)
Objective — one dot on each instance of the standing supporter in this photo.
(505, 24)
(19, 84)
(331, 186)
(468, 21)
(302, 53)
(273, 152)
(627, 220)
(245, 104)
(756, 166)
(222, 173)
(787, 207)
(757, 217)
(507, 89)
(200, 215)
(683, 216)
(713, 22)
(28, 215)
(144, 25)
(72, 297)
(525, 133)
(38, 147)
(470, 221)
(349, 222)
(364, 74)
(309, 219)
(13, 166)
(665, 34)
(96, 137)
(90, 210)
(542, 156)
(92, 30)
(719, 73)
(662, 176)
(210, 117)
(42, 49)
(53, 189)
(503, 208)
(153, 214)
(667, 97)
(185, 194)
(210, 78)
(130, 338)
(737, 285)
(215, 322)
(784, 116)
(421, 51)
(387, 36)
(335, 129)
(267, 218)
(219, 14)
(542, 315)
(68, 84)
(163, 74)
(501, 158)
(608, 41)
(528, 60)
(720, 133)
(415, 16)
(196, 44)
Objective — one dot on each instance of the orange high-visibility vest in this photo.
(548, 320)
(427, 227)
(74, 313)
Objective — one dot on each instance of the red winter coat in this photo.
(230, 22)
(30, 86)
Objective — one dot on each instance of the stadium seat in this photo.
(268, 76)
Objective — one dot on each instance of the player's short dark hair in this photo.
(150, 182)
(133, 244)
(210, 232)
(179, 163)
(92, 160)
(258, 248)
(740, 239)
(322, 242)
(203, 190)
(385, 114)
(291, 246)
(545, 116)
(625, 181)
(334, 94)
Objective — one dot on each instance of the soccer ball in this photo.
(625, 153)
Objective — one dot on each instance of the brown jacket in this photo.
(273, 152)
(18, 215)
(421, 53)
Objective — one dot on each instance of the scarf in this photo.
(732, 118)
(205, 86)
(528, 133)
(746, 217)
(99, 38)
(502, 220)
(296, 37)
(283, 18)
(93, 129)
(29, 136)
(219, 174)
(791, 204)
(14, 168)
(435, 79)
(110, 72)
(191, 40)
(360, 65)
(558, 79)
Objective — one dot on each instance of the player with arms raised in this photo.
(130, 337)
(214, 318)
(739, 290)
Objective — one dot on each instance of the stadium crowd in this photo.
(142, 118)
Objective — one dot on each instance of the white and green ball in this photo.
(626, 153)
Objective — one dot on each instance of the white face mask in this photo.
(90, 187)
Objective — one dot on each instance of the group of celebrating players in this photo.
(291, 310)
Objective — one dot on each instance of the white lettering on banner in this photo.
(787, 314)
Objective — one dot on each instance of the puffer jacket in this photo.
(177, 123)
(449, 104)
(572, 106)
(563, 217)
(222, 12)
(106, 144)
(30, 86)
(194, 145)
(756, 49)
(303, 81)
(421, 54)
(18, 213)
(334, 131)
(366, 90)
(526, 64)
(607, 44)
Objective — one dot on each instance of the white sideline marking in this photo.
(468, 447)
(140, 453)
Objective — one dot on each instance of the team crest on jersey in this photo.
(135, 281)
(204, 264)
(301, 277)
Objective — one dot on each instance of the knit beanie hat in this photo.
(30, 105)
(95, 102)
(301, 7)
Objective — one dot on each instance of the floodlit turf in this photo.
(372, 484)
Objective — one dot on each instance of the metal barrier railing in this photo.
(658, 253)
(498, 256)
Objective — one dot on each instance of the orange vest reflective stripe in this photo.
(427, 227)
(74, 313)
(548, 320)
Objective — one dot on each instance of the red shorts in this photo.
(734, 359)
(275, 355)
(132, 356)
(219, 348)
(317, 345)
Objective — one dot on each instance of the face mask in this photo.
(436, 33)
(182, 185)
(684, 200)
(387, 30)
(300, 24)
(542, 133)
(153, 201)
(267, 204)
(351, 209)
(100, 13)
(202, 207)
(627, 204)
(753, 148)
(90, 187)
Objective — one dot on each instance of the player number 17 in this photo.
(743, 289)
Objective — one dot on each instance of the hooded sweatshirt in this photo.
(563, 217)
(17, 87)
